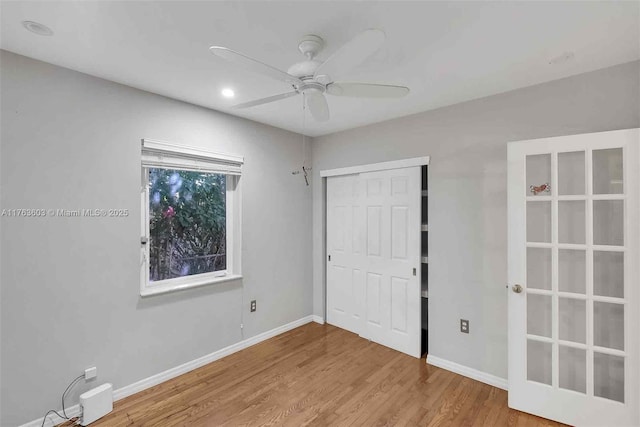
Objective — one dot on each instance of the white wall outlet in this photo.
(464, 326)
(91, 372)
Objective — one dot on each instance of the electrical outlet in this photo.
(90, 373)
(253, 306)
(464, 326)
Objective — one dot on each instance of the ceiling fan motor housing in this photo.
(309, 86)
(304, 68)
(310, 46)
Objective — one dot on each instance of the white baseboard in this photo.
(318, 319)
(483, 377)
(154, 380)
(52, 419)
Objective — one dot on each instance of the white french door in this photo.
(574, 296)
(373, 250)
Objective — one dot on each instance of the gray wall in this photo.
(468, 193)
(69, 296)
(69, 287)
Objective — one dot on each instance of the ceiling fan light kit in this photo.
(313, 78)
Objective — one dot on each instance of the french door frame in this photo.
(538, 398)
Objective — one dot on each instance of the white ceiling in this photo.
(446, 52)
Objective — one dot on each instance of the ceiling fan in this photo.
(313, 78)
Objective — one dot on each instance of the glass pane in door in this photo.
(539, 315)
(539, 361)
(573, 368)
(538, 175)
(571, 176)
(608, 222)
(572, 271)
(572, 318)
(571, 222)
(608, 274)
(539, 268)
(539, 221)
(608, 376)
(607, 171)
(608, 325)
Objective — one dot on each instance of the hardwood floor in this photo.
(319, 375)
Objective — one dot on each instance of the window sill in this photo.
(165, 289)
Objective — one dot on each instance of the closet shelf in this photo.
(424, 227)
(424, 259)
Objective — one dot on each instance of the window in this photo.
(190, 222)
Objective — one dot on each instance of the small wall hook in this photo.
(306, 180)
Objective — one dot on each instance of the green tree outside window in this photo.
(187, 223)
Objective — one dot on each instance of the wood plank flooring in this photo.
(323, 376)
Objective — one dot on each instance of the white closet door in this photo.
(345, 291)
(574, 302)
(391, 202)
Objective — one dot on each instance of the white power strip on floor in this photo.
(96, 403)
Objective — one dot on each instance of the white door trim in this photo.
(373, 167)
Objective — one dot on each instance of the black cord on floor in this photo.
(64, 412)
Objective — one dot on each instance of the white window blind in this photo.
(157, 154)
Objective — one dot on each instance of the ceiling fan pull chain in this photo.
(304, 142)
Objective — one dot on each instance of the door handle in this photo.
(517, 288)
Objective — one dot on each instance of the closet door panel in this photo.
(373, 241)
(393, 255)
(345, 277)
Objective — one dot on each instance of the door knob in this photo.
(517, 289)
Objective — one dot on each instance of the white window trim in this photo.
(166, 155)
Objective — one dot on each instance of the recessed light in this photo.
(228, 93)
(37, 28)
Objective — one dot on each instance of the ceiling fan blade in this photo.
(265, 100)
(318, 106)
(253, 65)
(352, 53)
(367, 90)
